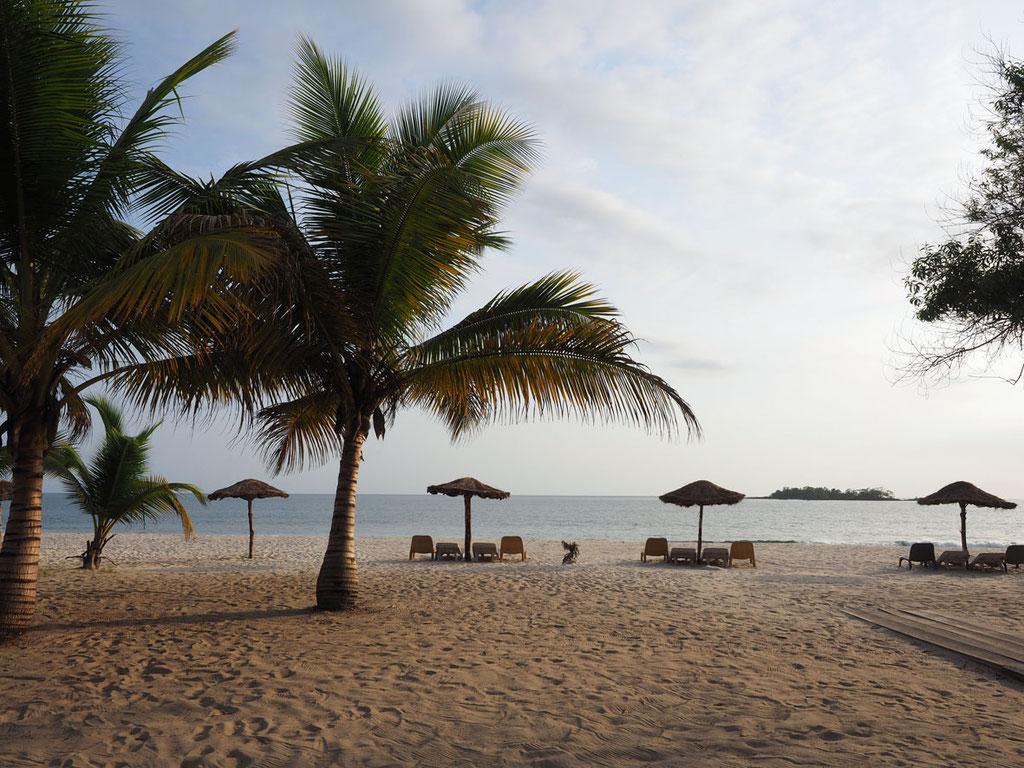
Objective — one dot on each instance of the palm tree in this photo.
(81, 290)
(116, 486)
(392, 225)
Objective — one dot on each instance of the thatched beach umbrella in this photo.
(248, 489)
(701, 494)
(467, 488)
(964, 493)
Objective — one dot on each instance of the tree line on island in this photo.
(820, 493)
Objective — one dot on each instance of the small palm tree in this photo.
(116, 487)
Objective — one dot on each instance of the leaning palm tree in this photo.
(393, 224)
(115, 488)
(82, 293)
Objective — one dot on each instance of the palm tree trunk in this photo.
(337, 586)
(93, 554)
(252, 531)
(19, 553)
(469, 528)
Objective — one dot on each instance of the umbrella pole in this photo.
(252, 532)
(963, 525)
(700, 532)
(469, 527)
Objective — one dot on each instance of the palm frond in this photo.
(300, 431)
(330, 99)
(113, 420)
(177, 278)
(423, 121)
(154, 497)
(548, 350)
(492, 148)
(114, 182)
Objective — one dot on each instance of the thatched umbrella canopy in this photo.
(467, 488)
(964, 493)
(6, 491)
(701, 494)
(248, 489)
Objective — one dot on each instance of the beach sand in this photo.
(189, 655)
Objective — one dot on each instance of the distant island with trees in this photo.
(811, 493)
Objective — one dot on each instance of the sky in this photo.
(748, 182)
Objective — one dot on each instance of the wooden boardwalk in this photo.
(973, 639)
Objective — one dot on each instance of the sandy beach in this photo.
(189, 655)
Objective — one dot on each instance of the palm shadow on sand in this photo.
(195, 618)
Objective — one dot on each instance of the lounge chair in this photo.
(715, 555)
(953, 557)
(742, 550)
(680, 555)
(655, 548)
(447, 550)
(984, 560)
(484, 550)
(421, 545)
(1014, 555)
(512, 545)
(922, 552)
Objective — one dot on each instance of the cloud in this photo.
(659, 352)
(740, 177)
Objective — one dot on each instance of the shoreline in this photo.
(155, 551)
(294, 549)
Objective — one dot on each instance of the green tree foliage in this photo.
(972, 285)
(116, 487)
(814, 493)
(82, 293)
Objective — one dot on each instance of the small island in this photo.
(811, 493)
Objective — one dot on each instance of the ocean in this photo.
(601, 518)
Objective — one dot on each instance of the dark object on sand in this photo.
(248, 489)
(572, 552)
(922, 552)
(1014, 555)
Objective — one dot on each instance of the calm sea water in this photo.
(603, 518)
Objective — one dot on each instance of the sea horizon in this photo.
(584, 518)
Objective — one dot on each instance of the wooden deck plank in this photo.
(940, 635)
(937, 635)
(972, 639)
(969, 633)
(956, 621)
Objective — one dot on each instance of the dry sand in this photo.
(191, 656)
